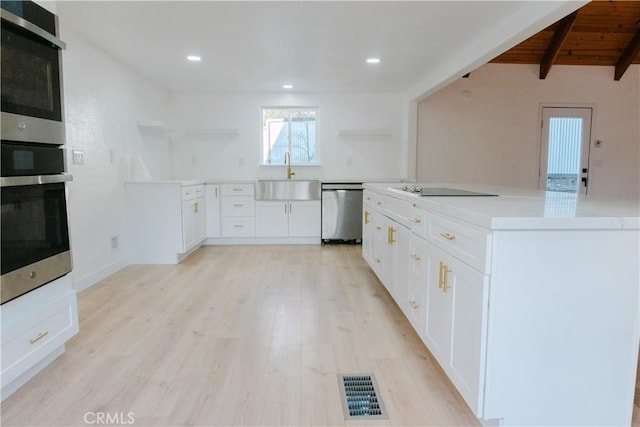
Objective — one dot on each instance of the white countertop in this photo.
(521, 208)
(181, 182)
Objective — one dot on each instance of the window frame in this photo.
(315, 109)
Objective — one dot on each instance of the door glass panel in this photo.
(563, 166)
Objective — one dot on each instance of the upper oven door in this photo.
(31, 83)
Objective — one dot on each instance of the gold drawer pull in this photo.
(416, 220)
(236, 189)
(414, 305)
(378, 260)
(378, 227)
(368, 198)
(39, 337)
(238, 205)
(195, 207)
(238, 226)
(415, 257)
(378, 203)
(390, 239)
(448, 236)
(366, 217)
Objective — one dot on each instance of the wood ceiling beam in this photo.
(563, 30)
(627, 57)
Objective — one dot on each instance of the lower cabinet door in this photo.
(305, 219)
(188, 224)
(457, 323)
(272, 218)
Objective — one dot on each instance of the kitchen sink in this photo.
(286, 189)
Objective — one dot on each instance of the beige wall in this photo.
(486, 128)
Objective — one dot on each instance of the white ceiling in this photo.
(317, 46)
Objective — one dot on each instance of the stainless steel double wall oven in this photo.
(35, 236)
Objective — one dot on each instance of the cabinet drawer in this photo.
(192, 192)
(469, 244)
(37, 335)
(238, 206)
(418, 260)
(238, 227)
(375, 199)
(237, 189)
(398, 210)
(418, 222)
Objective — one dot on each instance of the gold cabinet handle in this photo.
(366, 217)
(415, 257)
(378, 260)
(448, 236)
(378, 227)
(378, 203)
(440, 275)
(415, 220)
(238, 205)
(38, 337)
(445, 280)
(414, 305)
(290, 208)
(195, 207)
(368, 198)
(236, 189)
(216, 192)
(390, 239)
(238, 226)
(285, 208)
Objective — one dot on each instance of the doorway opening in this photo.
(564, 150)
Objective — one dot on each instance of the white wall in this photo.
(492, 135)
(237, 158)
(103, 101)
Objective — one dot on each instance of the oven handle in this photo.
(12, 181)
(23, 23)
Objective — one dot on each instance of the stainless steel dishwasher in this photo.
(342, 212)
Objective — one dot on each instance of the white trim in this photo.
(80, 284)
(263, 241)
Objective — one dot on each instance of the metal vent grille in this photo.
(361, 397)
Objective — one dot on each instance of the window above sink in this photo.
(292, 130)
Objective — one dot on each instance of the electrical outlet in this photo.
(114, 243)
(78, 157)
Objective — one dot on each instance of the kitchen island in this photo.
(528, 300)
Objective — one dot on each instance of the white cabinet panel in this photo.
(212, 196)
(305, 218)
(272, 219)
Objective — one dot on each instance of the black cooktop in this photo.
(443, 191)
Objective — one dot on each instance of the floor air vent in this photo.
(361, 397)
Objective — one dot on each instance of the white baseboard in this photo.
(91, 279)
(263, 241)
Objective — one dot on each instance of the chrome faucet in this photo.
(287, 156)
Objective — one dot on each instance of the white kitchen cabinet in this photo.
(305, 218)
(416, 307)
(456, 322)
(366, 231)
(35, 327)
(524, 295)
(212, 199)
(166, 220)
(272, 219)
(237, 210)
(288, 218)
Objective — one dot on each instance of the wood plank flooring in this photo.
(239, 335)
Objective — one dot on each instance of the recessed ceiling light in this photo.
(194, 58)
(287, 86)
(373, 60)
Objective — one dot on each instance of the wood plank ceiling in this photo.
(603, 33)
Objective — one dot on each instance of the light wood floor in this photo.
(239, 335)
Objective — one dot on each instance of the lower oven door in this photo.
(35, 237)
